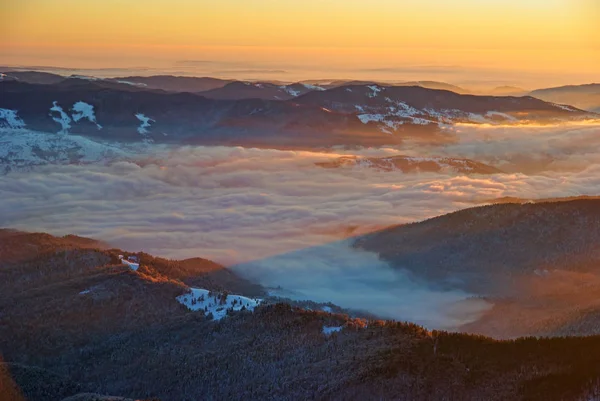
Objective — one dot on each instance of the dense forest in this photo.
(75, 323)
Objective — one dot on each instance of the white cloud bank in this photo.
(236, 204)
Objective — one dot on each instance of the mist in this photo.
(234, 204)
(359, 280)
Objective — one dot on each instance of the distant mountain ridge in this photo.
(364, 115)
(586, 96)
(529, 259)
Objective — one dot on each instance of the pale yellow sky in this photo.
(530, 42)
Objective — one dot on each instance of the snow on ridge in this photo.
(216, 303)
(84, 110)
(64, 120)
(328, 330)
(376, 89)
(290, 91)
(132, 265)
(146, 122)
(563, 107)
(86, 77)
(314, 87)
(367, 118)
(11, 119)
(140, 84)
(31, 148)
(492, 113)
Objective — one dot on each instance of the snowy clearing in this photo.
(328, 330)
(216, 303)
(84, 110)
(11, 120)
(64, 120)
(145, 123)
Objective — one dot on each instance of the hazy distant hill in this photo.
(503, 238)
(508, 91)
(259, 90)
(436, 85)
(172, 83)
(532, 261)
(585, 97)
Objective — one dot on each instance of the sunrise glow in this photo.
(549, 41)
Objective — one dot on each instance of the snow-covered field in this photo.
(132, 265)
(24, 149)
(328, 330)
(216, 303)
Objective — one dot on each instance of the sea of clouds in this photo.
(281, 219)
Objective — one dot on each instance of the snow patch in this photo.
(64, 120)
(328, 330)
(9, 119)
(290, 91)
(564, 107)
(313, 87)
(375, 90)
(84, 110)
(86, 77)
(140, 84)
(216, 303)
(146, 122)
(30, 148)
(367, 118)
(492, 114)
(134, 266)
(478, 118)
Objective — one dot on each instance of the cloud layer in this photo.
(237, 204)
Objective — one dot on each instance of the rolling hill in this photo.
(76, 323)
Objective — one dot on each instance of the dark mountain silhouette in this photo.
(531, 260)
(360, 115)
(30, 77)
(170, 83)
(559, 235)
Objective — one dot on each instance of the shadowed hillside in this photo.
(80, 325)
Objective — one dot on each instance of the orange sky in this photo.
(518, 40)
